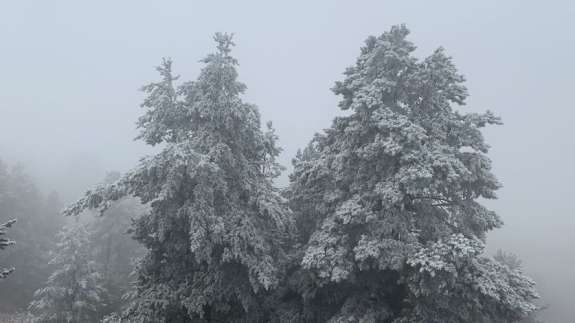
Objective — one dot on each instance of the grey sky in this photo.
(70, 73)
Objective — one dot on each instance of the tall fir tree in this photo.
(388, 201)
(216, 227)
(74, 292)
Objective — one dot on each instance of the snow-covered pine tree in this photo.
(389, 200)
(74, 291)
(5, 242)
(216, 227)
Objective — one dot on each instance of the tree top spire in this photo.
(225, 42)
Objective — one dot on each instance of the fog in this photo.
(70, 74)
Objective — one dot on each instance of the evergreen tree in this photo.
(216, 227)
(5, 242)
(74, 292)
(4, 197)
(38, 222)
(388, 201)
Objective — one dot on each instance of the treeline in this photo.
(61, 266)
(38, 220)
(382, 220)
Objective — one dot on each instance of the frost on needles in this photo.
(388, 200)
(216, 227)
(384, 222)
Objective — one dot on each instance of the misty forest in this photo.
(383, 216)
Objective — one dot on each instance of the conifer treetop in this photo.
(216, 225)
(395, 187)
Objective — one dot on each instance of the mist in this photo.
(70, 74)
